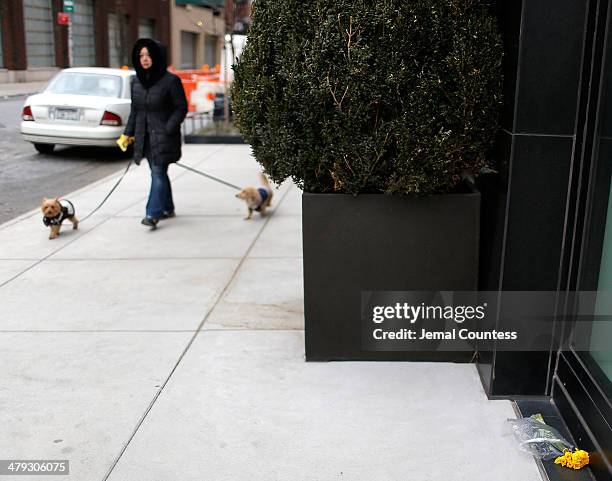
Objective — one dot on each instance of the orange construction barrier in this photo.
(191, 77)
(189, 86)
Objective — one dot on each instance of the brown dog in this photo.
(55, 211)
(257, 199)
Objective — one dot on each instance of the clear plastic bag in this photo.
(538, 438)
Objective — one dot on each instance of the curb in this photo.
(12, 96)
(36, 210)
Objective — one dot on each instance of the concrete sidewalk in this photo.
(177, 354)
(17, 89)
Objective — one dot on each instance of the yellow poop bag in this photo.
(124, 141)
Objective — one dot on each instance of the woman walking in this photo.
(158, 109)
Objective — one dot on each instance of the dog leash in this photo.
(109, 194)
(209, 176)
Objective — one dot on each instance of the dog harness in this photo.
(264, 196)
(66, 212)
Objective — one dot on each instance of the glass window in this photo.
(146, 28)
(118, 50)
(188, 50)
(210, 50)
(601, 333)
(38, 23)
(592, 335)
(85, 84)
(84, 48)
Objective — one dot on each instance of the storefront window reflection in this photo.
(601, 334)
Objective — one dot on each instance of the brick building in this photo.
(238, 15)
(198, 29)
(33, 45)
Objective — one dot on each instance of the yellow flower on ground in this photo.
(575, 460)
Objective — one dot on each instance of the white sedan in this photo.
(79, 106)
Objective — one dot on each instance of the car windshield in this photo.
(78, 83)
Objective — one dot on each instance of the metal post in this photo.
(70, 41)
(226, 110)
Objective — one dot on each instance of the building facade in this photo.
(34, 45)
(546, 220)
(238, 16)
(198, 31)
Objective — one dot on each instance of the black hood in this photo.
(157, 51)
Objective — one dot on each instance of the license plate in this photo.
(66, 114)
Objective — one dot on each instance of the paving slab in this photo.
(15, 89)
(244, 175)
(138, 177)
(194, 195)
(29, 238)
(167, 294)
(234, 164)
(216, 156)
(292, 204)
(265, 294)
(79, 396)
(137, 180)
(197, 197)
(224, 155)
(180, 237)
(242, 403)
(120, 200)
(245, 405)
(282, 237)
(10, 268)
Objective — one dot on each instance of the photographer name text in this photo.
(413, 313)
(465, 334)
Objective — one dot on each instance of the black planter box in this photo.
(381, 243)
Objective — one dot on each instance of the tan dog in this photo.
(55, 211)
(257, 199)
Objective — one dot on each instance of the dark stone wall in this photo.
(524, 205)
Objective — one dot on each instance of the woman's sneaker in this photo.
(149, 222)
(167, 215)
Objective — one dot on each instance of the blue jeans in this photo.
(160, 196)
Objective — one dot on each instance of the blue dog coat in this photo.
(264, 196)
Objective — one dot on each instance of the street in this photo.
(27, 176)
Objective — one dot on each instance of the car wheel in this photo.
(44, 148)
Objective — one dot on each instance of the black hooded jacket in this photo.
(158, 107)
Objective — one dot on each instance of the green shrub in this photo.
(355, 96)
